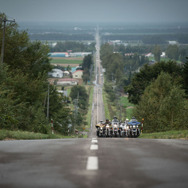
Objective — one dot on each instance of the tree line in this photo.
(61, 36)
(73, 46)
(119, 67)
(173, 52)
(153, 39)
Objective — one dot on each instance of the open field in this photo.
(66, 61)
(107, 112)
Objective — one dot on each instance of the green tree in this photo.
(86, 75)
(80, 93)
(114, 67)
(24, 85)
(59, 111)
(185, 77)
(157, 53)
(163, 105)
(87, 62)
(106, 50)
(147, 74)
(87, 66)
(172, 52)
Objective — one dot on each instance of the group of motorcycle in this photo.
(116, 128)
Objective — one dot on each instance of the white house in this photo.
(56, 73)
(173, 42)
(80, 54)
(163, 54)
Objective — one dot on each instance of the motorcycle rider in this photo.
(115, 120)
(98, 125)
(107, 122)
(133, 119)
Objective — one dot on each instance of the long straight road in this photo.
(94, 162)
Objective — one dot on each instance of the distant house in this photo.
(56, 73)
(172, 42)
(67, 81)
(129, 54)
(59, 54)
(149, 55)
(79, 54)
(77, 74)
(163, 54)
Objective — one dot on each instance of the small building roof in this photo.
(77, 71)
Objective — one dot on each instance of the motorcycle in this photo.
(115, 129)
(108, 131)
(134, 129)
(124, 129)
(99, 128)
(100, 131)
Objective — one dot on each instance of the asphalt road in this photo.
(94, 162)
(119, 162)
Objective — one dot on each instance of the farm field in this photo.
(66, 61)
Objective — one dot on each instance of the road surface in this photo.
(94, 162)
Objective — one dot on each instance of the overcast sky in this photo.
(96, 10)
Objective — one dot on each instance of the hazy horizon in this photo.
(98, 11)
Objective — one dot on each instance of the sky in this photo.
(149, 11)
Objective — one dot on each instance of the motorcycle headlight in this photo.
(127, 127)
(137, 126)
(115, 126)
(101, 128)
(134, 126)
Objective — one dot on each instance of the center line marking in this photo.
(92, 163)
(94, 141)
(94, 147)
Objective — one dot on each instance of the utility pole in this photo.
(48, 103)
(75, 101)
(3, 39)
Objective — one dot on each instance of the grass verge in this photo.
(180, 134)
(106, 109)
(128, 106)
(24, 135)
(88, 117)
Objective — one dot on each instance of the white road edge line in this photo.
(94, 147)
(92, 163)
